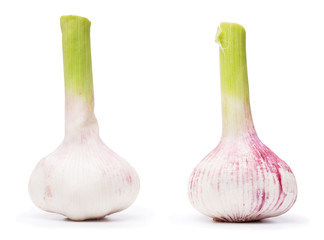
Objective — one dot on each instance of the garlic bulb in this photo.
(82, 179)
(241, 179)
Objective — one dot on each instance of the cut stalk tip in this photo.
(67, 18)
(226, 28)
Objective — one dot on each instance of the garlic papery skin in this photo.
(82, 179)
(241, 180)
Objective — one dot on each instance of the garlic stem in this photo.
(77, 74)
(236, 111)
(77, 56)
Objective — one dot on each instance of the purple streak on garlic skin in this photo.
(241, 180)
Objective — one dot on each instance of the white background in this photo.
(157, 94)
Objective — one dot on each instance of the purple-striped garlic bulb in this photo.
(82, 179)
(241, 180)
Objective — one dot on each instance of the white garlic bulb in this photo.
(241, 179)
(82, 179)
